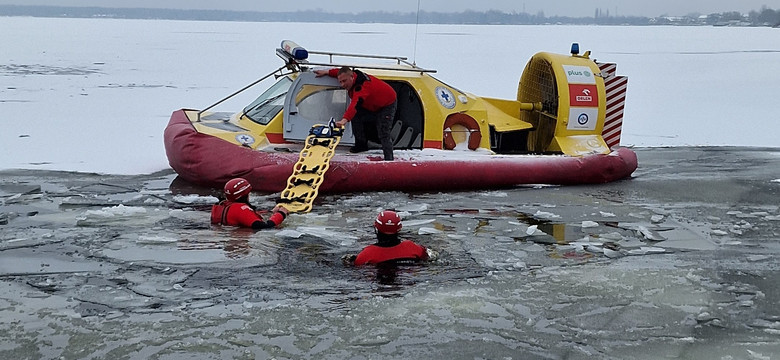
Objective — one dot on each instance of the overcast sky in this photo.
(575, 8)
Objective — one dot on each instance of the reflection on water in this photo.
(235, 245)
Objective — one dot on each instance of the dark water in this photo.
(678, 262)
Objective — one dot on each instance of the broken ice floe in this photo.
(533, 230)
(114, 212)
(615, 236)
(428, 231)
(502, 194)
(119, 210)
(409, 223)
(155, 240)
(613, 250)
(195, 199)
(589, 224)
(120, 213)
(546, 215)
(755, 258)
(289, 233)
(323, 233)
(644, 231)
(757, 355)
(643, 250)
(196, 216)
(411, 208)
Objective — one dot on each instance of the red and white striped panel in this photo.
(615, 87)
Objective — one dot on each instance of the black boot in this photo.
(388, 154)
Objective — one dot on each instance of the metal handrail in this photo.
(398, 59)
(375, 67)
(332, 54)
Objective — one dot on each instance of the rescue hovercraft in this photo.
(563, 128)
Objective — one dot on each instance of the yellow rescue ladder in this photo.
(308, 173)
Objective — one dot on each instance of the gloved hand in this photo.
(348, 259)
(281, 209)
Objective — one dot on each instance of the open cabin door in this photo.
(314, 100)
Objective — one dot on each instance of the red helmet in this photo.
(236, 188)
(388, 222)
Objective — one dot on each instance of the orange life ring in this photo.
(475, 136)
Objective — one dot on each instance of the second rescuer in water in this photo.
(389, 246)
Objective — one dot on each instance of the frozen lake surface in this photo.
(112, 84)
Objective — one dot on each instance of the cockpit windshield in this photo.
(269, 103)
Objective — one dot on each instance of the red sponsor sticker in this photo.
(582, 95)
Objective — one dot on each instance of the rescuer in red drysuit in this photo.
(236, 210)
(373, 101)
(389, 246)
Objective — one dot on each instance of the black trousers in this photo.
(383, 120)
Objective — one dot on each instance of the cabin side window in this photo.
(269, 103)
(320, 102)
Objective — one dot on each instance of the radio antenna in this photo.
(416, 25)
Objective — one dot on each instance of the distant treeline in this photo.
(763, 17)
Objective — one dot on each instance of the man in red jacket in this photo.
(371, 101)
(236, 210)
(388, 246)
